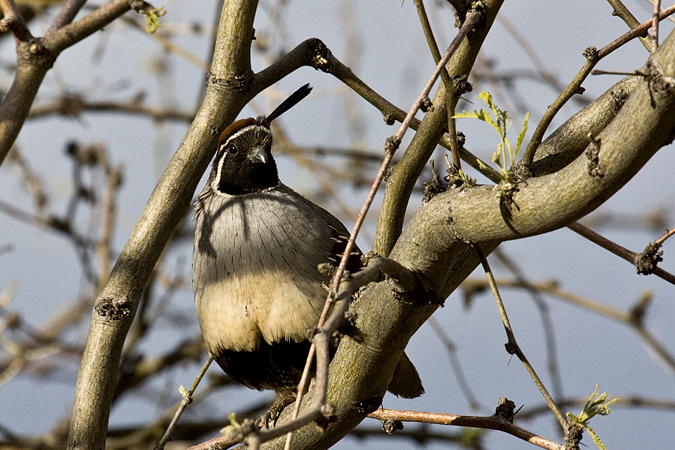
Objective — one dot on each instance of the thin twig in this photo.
(392, 113)
(593, 56)
(655, 25)
(638, 31)
(616, 72)
(632, 318)
(72, 105)
(187, 399)
(651, 2)
(663, 238)
(617, 249)
(472, 19)
(547, 322)
(447, 81)
(374, 271)
(512, 346)
(624, 13)
(490, 422)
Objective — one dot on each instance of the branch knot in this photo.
(321, 55)
(113, 308)
(647, 261)
(34, 52)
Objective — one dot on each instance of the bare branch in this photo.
(13, 21)
(640, 30)
(187, 399)
(71, 105)
(35, 57)
(621, 11)
(655, 25)
(618, 250)
(490, 423)
(593, 56)
(512, 346)
(66, 15)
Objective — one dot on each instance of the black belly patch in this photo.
(276, 366)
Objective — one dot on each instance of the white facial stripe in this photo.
(244, 130)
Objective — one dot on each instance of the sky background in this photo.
(383, 44)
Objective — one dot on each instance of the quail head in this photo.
(257, 248)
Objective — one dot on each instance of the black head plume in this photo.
(290, 102)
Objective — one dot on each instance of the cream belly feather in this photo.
(257, 262)
(252, 308)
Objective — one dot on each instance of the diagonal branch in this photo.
(402, 180)
(618, 250)
(116, 306)
(36, 56)
(66, 15)
(512, 346)
(13, 21)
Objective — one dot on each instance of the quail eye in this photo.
(232, 149)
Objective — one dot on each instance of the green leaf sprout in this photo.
(500, 120)
(594, 406)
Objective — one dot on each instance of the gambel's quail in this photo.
(257, 248)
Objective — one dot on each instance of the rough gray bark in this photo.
(435, 243)
(116, 305)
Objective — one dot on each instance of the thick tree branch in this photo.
(568, 141)
(13, 21)
(434, 244)
(115, 308)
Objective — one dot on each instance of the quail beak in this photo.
(259, 155)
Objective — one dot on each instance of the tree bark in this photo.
(228, 91)
(436, 243)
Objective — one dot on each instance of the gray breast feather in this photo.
(255, 267)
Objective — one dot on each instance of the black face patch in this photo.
(237, 172)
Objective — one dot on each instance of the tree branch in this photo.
(14, 21)
(434, 244)
(618, 250)
(116, 306)
(66, 15)
(35, 57)
(491, 423)
(404, 176)
(593, 56)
